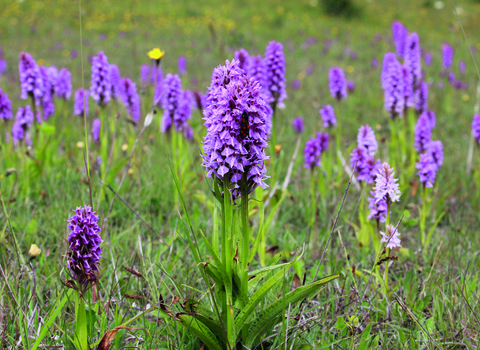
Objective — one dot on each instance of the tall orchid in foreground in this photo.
(233, 155)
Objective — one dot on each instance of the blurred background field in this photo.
(208, 32)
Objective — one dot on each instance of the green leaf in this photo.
(201, 331)
(257, 297)
(340, 324)
(213, 326)
(273, 310)
(46, 128)
(59, 305)
(81, 334)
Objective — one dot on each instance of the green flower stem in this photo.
(245, 237)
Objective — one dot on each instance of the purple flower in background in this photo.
(84, 245)
(413, 59)
(145, 74)
(96, 126)
(314, 149)
(3, 66)
(244, 58)
(63, 86)
(182, 65)
(156, 75)
(476, 127)
(392, 237)
(374, 63)
(395, 90)
(30, 77)
(235, 118)
(353, 55)
(257, 69)
(365, 166)
(462, 67)
(428, 59)
(200, 100)
(366, 139)
(101, 85)
(275, 77)
(408, 92)
(451, 78)
(447, 56)
(435, 149)
(73, 54)
(337, 83)
(430, 115)
(386, 186)
(80, 104)
(188, 132)
(184, 110)
(421, 98)
(5, 107)
(388, 59)
(295, 84)
(298, 125)
(378, 211)
(328, 116)
(440, 85)
(49, 77)
(130, 98)
(423, 133)
(115, 81)
(350, 87)
(427, 170)
(399, 33)
(172, 86)
(23, 122)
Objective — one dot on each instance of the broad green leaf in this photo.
(257, 297)
(59, 305)
(201, 331)
(273, 310)
(81, 334)
(213, 326)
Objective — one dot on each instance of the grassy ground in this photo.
(434, 289)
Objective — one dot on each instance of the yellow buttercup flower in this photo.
(156, 54)
(34, 251)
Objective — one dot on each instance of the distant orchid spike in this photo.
(435, 149)
(395, 90)
(23, 122)
(130, 98)
(421, 98)
(115, 82)
(413, 59)
(257, 69)
(386, 186)
(145, 74)
(184, 110)
(388, 59)
(96, 127)
(476, 127)
(447, 56)
(430, 115)
(366, 139)
(31, 81)
(423, 133)
(244, 58)
(337, 83)
(399, 33)
(101, 87)
(298, 125)
(5, 107)
(182, 65)
(80, 104)
(49, 77)
(63, 86)
(392, 237)
(84, 245)
(378, 211)
(314, 149)
(328, 116)
(427, 169)
(172, 86)
(275, 73)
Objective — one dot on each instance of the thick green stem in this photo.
(245, 238)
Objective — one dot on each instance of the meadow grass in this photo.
(434, 300)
